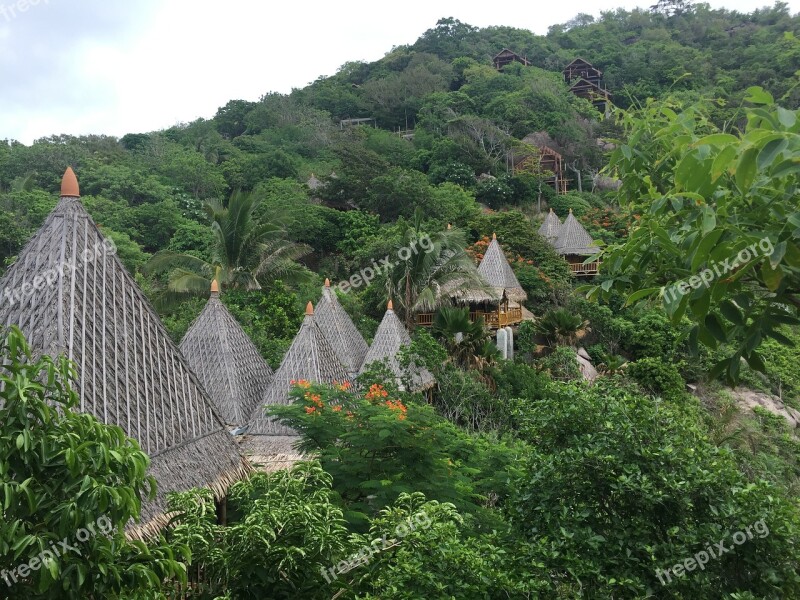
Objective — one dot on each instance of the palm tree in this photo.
(561, 327)
(436, 269)
(467, 343)
(245, 252)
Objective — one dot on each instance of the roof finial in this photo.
(309, 309)
(551, 209)
(214, 287)
(390, 305)
(570, 211)
(69, 184)
(494, 236)
(327, 282)
(449, 226)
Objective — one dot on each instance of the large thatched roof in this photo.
(573, 239)
(389, 339)
(310, 357)
(336, 324)
(70, 294)
(226, 361)
(551, 227)
(498, 273)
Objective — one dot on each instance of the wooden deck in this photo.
(584, 270)
(493, 320)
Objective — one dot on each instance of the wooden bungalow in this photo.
(311, 357)
(538, 156)
(551, 228)
(70, 294)
(499, 303)
(348, 343)
(389, 339)
(505, 57)
(581, 69)
(575, 244)
(592, 92)
(226, 361)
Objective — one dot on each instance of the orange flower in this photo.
(302, 383)
(376, 391)
(337, 409)
(310, 410)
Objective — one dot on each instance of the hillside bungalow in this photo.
(505, 57)
(226, 361)
(268, 443)
(501, 305)
(390, 338)
(575, 244)
(347, 342)
(129, 372)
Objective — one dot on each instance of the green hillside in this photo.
(532, 482)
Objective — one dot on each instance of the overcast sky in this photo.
(115, 67)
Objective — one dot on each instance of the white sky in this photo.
(116, 67)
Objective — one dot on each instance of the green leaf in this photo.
(638, 295)
(758, 95)
(746, 170)
(705, 247)
(717, 139)
(777, 255)
(787, 118)
(715, 327)
(770, 152)
(731, 312)
(772, 277)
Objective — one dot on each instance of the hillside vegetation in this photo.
(511, 478)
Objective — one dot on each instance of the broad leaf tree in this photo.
(719, 235)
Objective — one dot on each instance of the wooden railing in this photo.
(493, 320)
(581, 269)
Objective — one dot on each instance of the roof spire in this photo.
(309, 309)
(327, 282)
(69, 184)
(390, 305)
(214, 287)
(494, 236)
(570, 211)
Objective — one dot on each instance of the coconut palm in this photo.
(436, 269)
(246, 251)
(468, 344)
(561, 327)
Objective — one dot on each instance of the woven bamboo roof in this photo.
(226, 361)
(573, 238)
(551, 227)
(70, 294)
(310, 357)
(498, 273)
(389, 339)
(336, 324)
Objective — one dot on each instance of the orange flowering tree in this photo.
(377, 445)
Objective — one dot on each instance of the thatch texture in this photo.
(551, 227)
(129, 372)
(226, 361)
(389, 339)
(336, 324)
(310, 357)
(498, 274)
(573, 239)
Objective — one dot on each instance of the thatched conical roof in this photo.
(389, 339)
(498, 273)
(70, 294)
(310, 357)
(551, 227)
(347, 341)
(226, 361)
(573, 239)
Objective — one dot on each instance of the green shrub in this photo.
(657, 377)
